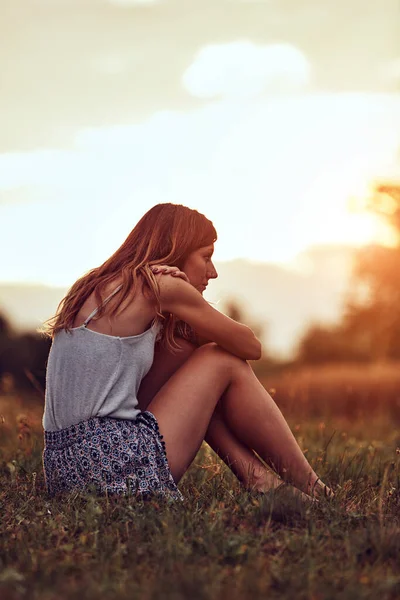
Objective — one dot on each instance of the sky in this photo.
(272, 117)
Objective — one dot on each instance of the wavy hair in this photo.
(166, 234)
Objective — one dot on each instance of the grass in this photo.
(222, 542)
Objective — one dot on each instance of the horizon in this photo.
(262, 291)
(296, 264)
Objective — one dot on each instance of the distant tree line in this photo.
(23, 356)
(370, 327)
(369, 330)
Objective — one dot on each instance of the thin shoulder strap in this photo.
(92, 314)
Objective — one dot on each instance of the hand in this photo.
(168, 270)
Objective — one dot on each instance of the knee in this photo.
(222, 356)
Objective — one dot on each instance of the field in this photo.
(223, 542)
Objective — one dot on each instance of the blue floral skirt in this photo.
(113, 456)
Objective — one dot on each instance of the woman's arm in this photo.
(186, 303)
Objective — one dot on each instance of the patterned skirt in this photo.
(112, 456)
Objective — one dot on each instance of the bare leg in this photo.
(185, 404)
(239, 458)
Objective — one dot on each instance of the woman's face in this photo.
(199, 267)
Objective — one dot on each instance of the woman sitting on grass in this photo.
(142, 370)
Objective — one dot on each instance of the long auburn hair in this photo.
(166, 234)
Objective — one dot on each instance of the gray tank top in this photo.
(92, 374)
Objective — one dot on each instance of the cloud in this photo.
(23, 194)
(274, 175)
(19, 169)
(243, 69)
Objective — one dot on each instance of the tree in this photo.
(385, 201)
(325, 344)
(5, 337)
(372, 314)
(23, 356)
(370, 327)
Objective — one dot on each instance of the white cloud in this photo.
(31, 168)
(24, 194)
(274, 175)
(244, 70)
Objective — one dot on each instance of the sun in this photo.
(360, 229)
(339, 214)
(366, 226)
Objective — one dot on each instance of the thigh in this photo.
(164, 365)
(185, 404)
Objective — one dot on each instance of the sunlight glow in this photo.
(274, 175)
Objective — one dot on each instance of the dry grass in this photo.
(351, 392)
(222, 542)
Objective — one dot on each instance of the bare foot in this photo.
(270, 482)
(267, 481)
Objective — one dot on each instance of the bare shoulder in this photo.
(174, 289)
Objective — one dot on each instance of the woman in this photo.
(122, 417)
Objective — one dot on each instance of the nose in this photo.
(212, 272)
